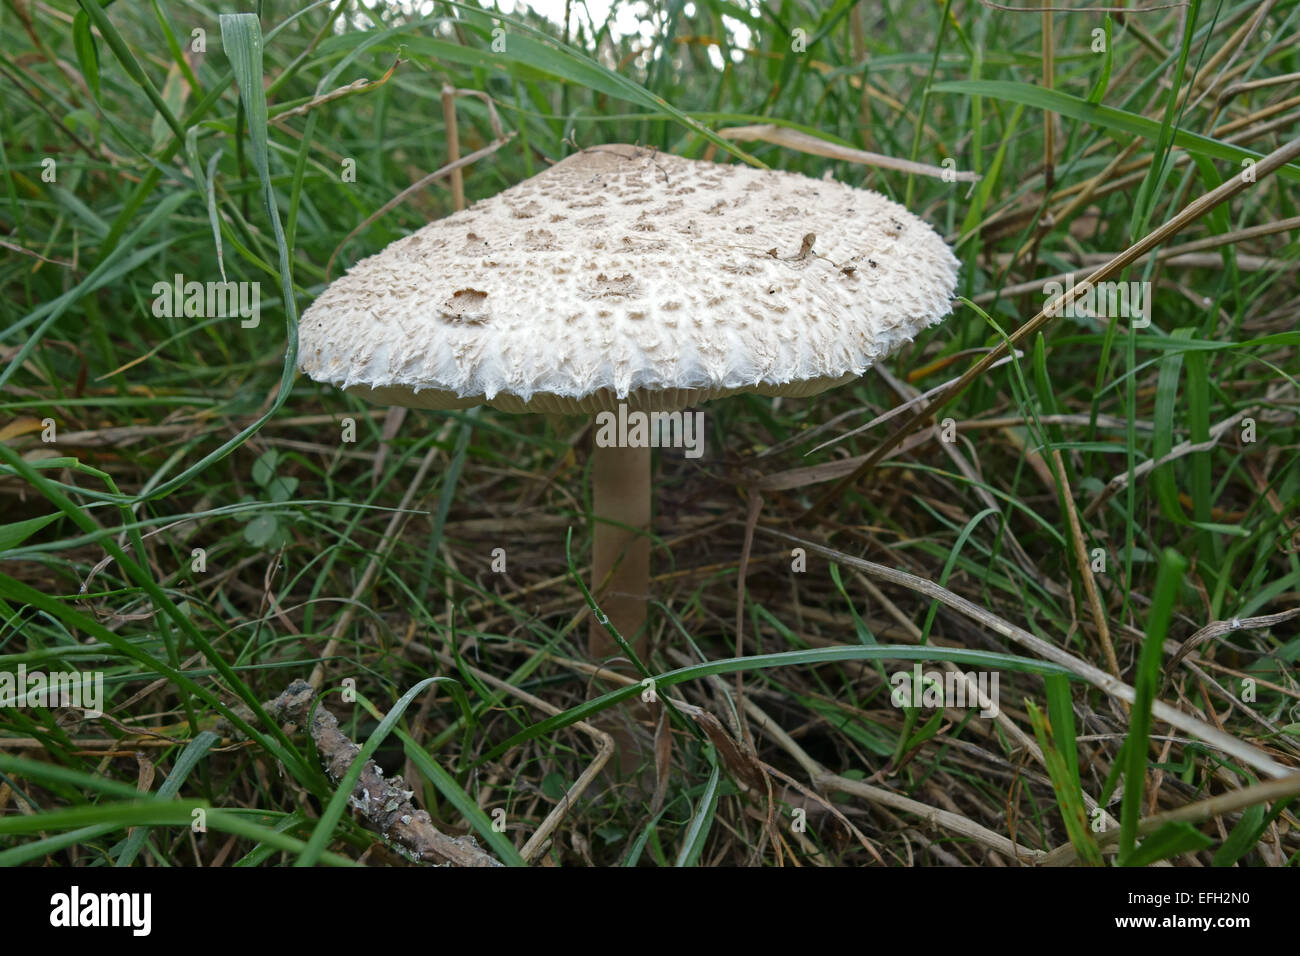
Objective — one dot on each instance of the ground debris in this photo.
(385, 803)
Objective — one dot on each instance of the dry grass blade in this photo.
(1085, 567)
(1183, 254)
(910, 402)
(794, 139)
(356, 86)
(953, 822)
(1247, 754)
(1220, 628)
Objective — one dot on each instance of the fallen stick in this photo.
(384, 802)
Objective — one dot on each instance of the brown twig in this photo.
(384, 802)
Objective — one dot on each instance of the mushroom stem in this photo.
(620, 506)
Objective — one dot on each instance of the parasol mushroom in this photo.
(622, 276)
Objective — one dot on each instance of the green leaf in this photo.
(83, 41)
(264, 467)
(1146, 681)
(851, 726)
(449, 479)
(860, 626)
(127, 59)
(282, 488)
(1170, 840)
(1164, 419)
(12, 535)
(185, 763)
(1060, 712)
(1065, 783)
(553, 787)
(260, 530)
(1246, 834)
(697, 834)
(1098, 91)
(52, 775)
(274, 739)
(1158, 170)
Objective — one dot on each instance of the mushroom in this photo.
(622, 276)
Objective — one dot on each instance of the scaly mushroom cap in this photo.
(625, 275)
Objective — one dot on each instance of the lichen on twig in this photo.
(384, 802)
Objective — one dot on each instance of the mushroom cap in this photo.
(621, 274)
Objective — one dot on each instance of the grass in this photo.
(1077, 498)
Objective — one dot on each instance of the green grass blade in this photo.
(185, 763)
(1146, 681)
(697, 834)
(1065, 783)
(462, 801)
(1103, 117)
(1171, 839)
